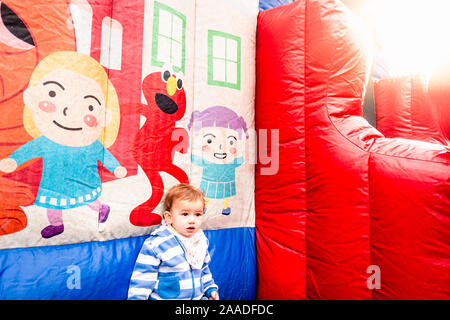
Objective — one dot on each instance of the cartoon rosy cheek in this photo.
(233, 150)
(91, 121)
(206, 148)
(47, 106)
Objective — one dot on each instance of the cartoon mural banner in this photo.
(107, 104)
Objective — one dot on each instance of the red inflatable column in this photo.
(281, 197)
(337, 64)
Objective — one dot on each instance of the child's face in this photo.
(68, 108)
(220, 145)
(185, 216)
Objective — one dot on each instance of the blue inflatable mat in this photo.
(101, 270)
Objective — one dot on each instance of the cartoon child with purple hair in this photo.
(220, 151)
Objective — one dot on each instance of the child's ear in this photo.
(168, 216)
(104, 121)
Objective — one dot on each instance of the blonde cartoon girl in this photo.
(72, 112)
(219, 151)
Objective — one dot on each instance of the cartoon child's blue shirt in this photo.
(218, 180)
(70, 175)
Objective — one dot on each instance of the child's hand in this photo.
(120, 172)
(8, 165)
(214, 296)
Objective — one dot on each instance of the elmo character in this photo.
(158, 139)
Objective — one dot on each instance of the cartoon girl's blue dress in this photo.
(218, 180)
(70, 176)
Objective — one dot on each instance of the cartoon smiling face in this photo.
(68, 108)
(220, 145)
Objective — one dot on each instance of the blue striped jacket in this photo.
(161, 271)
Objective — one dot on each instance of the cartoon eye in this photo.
(179, 84)
(52, 93)
(166, 72)
(166, 75)
(13, 32)
(91, 108)
(231, 140)
(180, 80)
(209, 137)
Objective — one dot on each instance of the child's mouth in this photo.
(220, 155)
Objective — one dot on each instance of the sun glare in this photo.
(413, 35)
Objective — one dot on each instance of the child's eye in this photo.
(198, 214)
(184, 214)
(52, 93)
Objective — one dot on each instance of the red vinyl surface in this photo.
(404, 109)
(439, 88)
(345, 198)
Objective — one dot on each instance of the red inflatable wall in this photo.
(280, 201)
(438, 89)
(404, 109)
(350, 214)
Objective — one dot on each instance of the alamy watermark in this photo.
(374, 281)
(260, 147)
(74, 279)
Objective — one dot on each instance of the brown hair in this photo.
(182, 191)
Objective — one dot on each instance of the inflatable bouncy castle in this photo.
(347, 204)
(107, 104)
(105, 107)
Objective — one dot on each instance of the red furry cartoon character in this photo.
(158, 139)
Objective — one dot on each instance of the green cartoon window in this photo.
(224, 59)
(169, 37)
